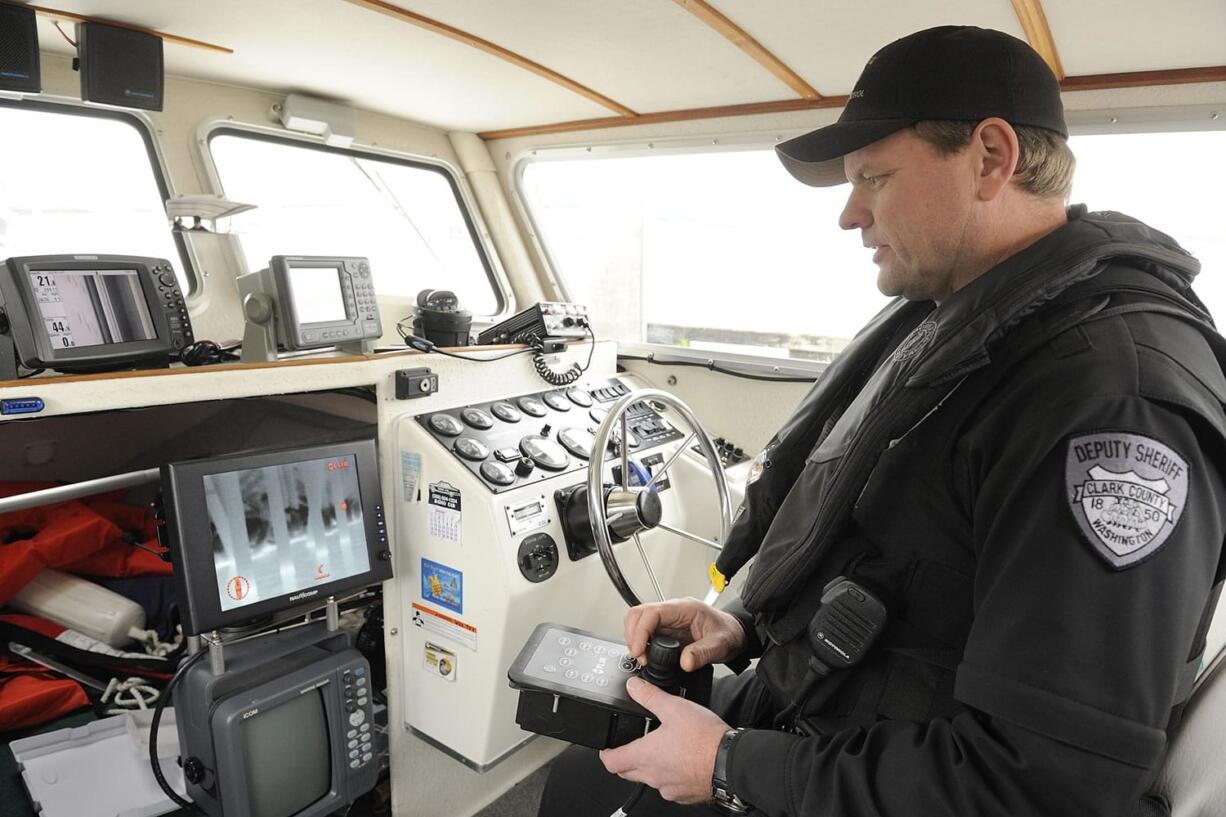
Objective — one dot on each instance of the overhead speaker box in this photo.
(120, 66)
(19, 67)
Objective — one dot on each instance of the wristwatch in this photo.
(722, 795)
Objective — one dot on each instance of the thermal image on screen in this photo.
(285, 529)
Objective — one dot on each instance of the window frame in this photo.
(473, 222)
(1087, 122)
(145, 128)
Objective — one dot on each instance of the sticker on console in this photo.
(1127, 493)
(410, 471)
(442, 585)
(441, 624)
(440, 661)
(445, 520)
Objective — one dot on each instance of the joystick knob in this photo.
(663, 662)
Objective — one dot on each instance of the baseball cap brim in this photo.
(816, 158)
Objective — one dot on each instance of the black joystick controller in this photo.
(663, 663)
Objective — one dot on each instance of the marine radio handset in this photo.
(842, 632)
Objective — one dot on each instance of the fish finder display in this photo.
(285, 529)
(316, 292)
(92, 307)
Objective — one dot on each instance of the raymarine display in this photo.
(82, 313)
(256, 534)
(308, 302)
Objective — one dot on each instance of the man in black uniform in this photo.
(1020, 457)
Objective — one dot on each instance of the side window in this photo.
(722, 251)
(1174, 182)
(407, 218)
(77, 181)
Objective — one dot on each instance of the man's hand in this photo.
(678, 757)
(713, 634)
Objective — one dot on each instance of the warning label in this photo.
(444, 625)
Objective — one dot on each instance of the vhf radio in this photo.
(572, 685)
(544, 320)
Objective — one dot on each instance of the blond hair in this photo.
(1045, 163)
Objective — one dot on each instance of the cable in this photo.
(423, 345)
(153, 733)
(543, 368)
(631, 801)
(62, 34)
(206, 352)
(711, 367)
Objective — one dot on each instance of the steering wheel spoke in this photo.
(651, 573)
(693, 537)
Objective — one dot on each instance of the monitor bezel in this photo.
(281, 266)
(34, 346)
(192, 555)
(225, 724)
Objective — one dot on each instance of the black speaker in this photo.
(120, 66)
(19, 69)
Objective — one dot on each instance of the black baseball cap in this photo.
(946, 73)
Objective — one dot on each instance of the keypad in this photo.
(355, 693)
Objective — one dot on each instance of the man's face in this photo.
(913, 207)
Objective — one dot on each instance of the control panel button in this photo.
(477, 418)
(446, 424)
(357, 719)
(471, 449)
(532, 406)
(506, 412)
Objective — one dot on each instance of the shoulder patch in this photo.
(1127, 493)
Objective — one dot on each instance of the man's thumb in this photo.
(649, 696)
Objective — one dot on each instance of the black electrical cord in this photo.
(423, 345)
(207, 352)
(153, 733)
(631, 801)
(710, 366)
(543, 368)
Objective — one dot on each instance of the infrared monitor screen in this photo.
(281, 530)
(316, 292)
(92, 307)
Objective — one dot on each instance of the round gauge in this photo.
(530, 405)
(577, 441)
(616, 436)
(477, 418)
(506, 412)
(446, 424)
(471, 449)
(557, 400)
(497, 473)
(545, 453)
(579, 397)
(598, 414)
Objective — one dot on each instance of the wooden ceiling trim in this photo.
(1139, 79)
(742, 40)
(1034, 23)
(782, 106)
(406, 16)
(170, 38)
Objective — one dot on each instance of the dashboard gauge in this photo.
(497, 473)
(530, 405)
(577, 441)
(545, 453)
(477, 418)
(557, 400)
(506, 412)
(598, 414)
(446, 424)
(471, 449)
(579, 397)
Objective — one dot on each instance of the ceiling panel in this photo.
(1094, 37)
(346, 53)
(827, 43)
(651, 55)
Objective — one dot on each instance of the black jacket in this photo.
(1028, 475)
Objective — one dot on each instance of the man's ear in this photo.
(998, 154)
